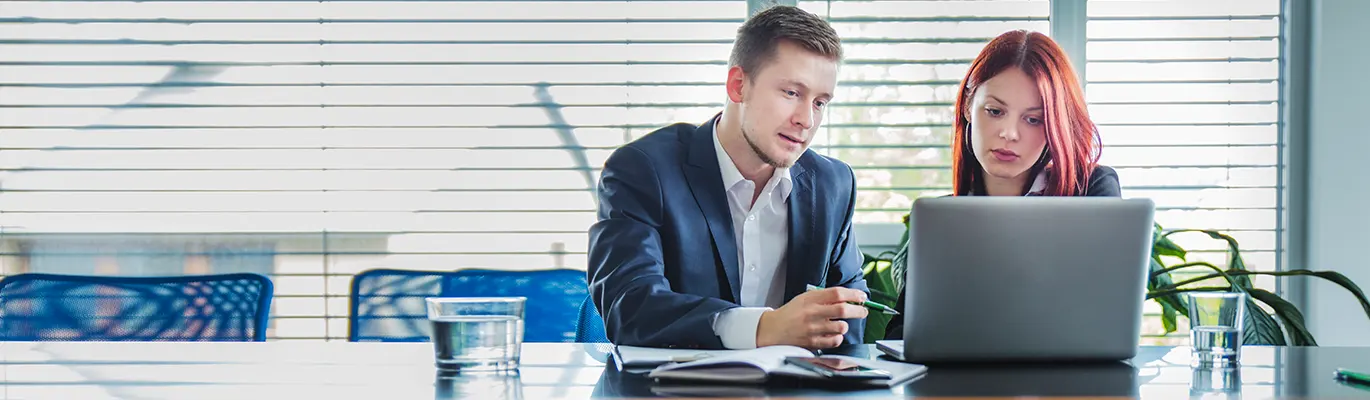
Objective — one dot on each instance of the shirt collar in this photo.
(732, 176)
(1039, 184)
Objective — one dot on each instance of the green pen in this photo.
(1347, 375)
(869, 304)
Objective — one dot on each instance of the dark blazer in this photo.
(1103, 182)
(663, 258)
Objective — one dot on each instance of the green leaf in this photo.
(1163, 246)
(1234, 254)
(1234, 257)
(1175, 292)
(1333, 276)
(1168, 317)
(1231, 281)
(1337, 278)
(1288, 314)
(1260, 328)
(1170, 305)
(898, 266)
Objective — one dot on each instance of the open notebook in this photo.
(759, 365)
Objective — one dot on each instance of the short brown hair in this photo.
(758, 38)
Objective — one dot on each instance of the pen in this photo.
(1352, 376)
(869, 304)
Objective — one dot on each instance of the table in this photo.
(341, 370)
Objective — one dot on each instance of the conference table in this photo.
(343, 370)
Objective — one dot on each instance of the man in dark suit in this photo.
(708, 235)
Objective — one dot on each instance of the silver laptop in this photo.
(1025, 279)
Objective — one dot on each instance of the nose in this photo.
(803, 116)
(1009, 133)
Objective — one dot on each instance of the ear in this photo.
(969, 101)
(736, 84)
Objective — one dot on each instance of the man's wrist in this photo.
(762, 332)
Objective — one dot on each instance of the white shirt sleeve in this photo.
(736, 327)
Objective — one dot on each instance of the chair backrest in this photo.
(387, 305)
(52, 307)
(590, 326)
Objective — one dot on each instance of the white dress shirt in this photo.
(762, 234)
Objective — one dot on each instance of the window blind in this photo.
(310, 140)
(891, 119)
(1187, 98)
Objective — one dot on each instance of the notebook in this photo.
(760, 365)
(633, 357)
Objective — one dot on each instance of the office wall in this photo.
(1338, 223)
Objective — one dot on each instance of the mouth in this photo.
(790, 139)
(1005, 155)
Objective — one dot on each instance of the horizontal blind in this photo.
(892, 116)
(1187, 97)
(311, 140)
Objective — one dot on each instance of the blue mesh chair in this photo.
(51, 307)
(387, 305)
(590, 326)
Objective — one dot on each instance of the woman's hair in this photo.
(1073, 142)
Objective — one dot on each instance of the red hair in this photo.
(1072, 138)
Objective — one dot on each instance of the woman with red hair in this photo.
(1022, 129)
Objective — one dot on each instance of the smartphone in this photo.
(837, 368)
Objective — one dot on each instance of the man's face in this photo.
(781, 104)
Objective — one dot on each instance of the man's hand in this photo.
(809, 320)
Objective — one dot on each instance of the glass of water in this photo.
(1215, 327)
(476, 333)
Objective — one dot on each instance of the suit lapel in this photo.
(706, 184)
(800, 260)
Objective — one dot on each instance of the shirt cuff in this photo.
(736, 327)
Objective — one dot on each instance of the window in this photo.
(1187, 98)
(892, 118)
(311, 140)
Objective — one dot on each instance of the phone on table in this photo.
(832, 367)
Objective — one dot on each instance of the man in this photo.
(708, 235)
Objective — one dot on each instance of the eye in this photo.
(820, 104)
(1034, 121)
(791, 93)
(994, 111)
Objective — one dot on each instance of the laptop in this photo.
(1000, 279)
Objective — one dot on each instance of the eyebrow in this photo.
(1005, 102)
(804, 87)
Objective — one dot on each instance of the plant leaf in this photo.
(1337, 278)
(1175, 292)
(1161, 245)
(1260, 328)
(1234, 257)
(898, 266)
(1171, 305)
(883, 291)
(1288, 314)
(1234, 254)
(1159, 276)
(1333, 276)
(1168, 319)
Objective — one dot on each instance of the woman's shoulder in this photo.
(1103, 182)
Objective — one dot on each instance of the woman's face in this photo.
(1007, 129)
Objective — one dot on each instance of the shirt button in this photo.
(751, 218)
(751, 267)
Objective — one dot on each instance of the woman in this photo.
(1022, 129)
